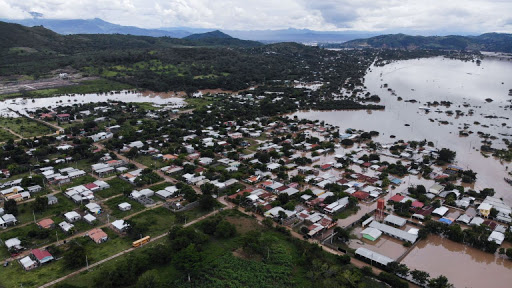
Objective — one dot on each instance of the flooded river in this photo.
(464, 266)
(24, 105)
(439, 79)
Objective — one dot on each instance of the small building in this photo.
(441, 211)
(120, 226)
(484, 209)
(13, 243)
(46, 223)
(34, 189)
(371, 234)
(42, 256)
(497, 237)
(52, 200)
(9, 220)
(72, 216)
(89, 219)
(373, 257)
(94, 208)
(66, 227)
(125, 206)
(98, 236)
(395, 220)
(27, 263)
(436, 189)
(164, 194)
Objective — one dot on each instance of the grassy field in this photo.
(117, 186)
(25, 210)
(199, 103)
(25, 127)
(112, 205)
(149, 161)
(6, 136)
(89, 86)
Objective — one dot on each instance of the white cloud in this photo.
(373, 15)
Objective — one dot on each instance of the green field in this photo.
(112, 205)
(25, 127)
(6, 136)
(117, 187)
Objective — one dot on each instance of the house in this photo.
(9, 220)
(441, 211)
(124, 206)
(28, 263)
(94, 208)
(42, 256)
(98, 236)
(65, 226)
(63, 117)
(164, 194)
(436, 189)
(72, 216)
(89, 218)
(34, 189)
(13, 243)
(46, 223)
(484, 209)
(120, 226)
(52, 200)
(497, 237)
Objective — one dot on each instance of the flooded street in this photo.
(464, 266)
(439, 79)
(23, 105)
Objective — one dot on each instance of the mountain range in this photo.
(99, 26)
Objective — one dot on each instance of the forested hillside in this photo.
(211, 60)
(496, 42)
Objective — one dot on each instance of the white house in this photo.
(124, 206)
(72, 216)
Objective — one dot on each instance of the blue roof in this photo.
(396, 181)
(446, 221)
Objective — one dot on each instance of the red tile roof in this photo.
(396, 198)
(41, 254)
(361, 195)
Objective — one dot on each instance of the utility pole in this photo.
(34, 214)
(86, 262)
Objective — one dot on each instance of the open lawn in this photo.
(150, 161)
(112, 205)
(199, 103)
(25, 127)
(6, 136)
(25, 210)
(117, 186)
(156, 221)
(77, 181)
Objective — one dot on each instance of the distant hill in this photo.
(218, 38)
(495, 42)
(96, 26)
(209, 35)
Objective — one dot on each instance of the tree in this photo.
(40, 204)
(420, 189)
(420, 276)
(188, 260)
(225, 229)
(439, 282)
(342, 234)
(75, 256)
(494, 212)
(149, 279)
(11, 207)
(206, 202)
(509, 253)
(446, 155)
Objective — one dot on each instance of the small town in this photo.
(115, 176)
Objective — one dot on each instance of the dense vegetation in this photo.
(496, 42)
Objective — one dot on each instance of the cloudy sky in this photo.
(368, 15)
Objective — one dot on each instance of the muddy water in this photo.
(22, 105)
(442, 80)
(464, 266)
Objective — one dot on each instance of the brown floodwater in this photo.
(438, 79)
(464, 266)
